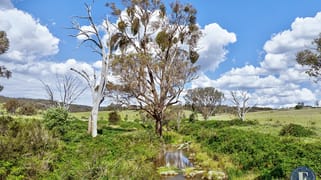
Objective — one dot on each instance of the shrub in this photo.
(295, 130)
(300, 105)
(192, 117)
(114, 117)
(25, 148)
(11, 106)
(56, 119)
(27, 109)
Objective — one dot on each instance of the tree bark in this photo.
(92, 124)
(159, 126)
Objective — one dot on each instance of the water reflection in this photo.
(176, 159)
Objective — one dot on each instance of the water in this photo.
(173, 157)
(177, 159)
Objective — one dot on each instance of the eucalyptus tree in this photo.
(4, 46)
(312, 59)
(205, 100)
(156, 52)
(240, 99)
(94, 34)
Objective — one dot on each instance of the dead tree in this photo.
(240, 100)
(69, 89)
(97, 85)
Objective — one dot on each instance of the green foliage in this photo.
(270, 156)
(192, 117)
(162, 39)
(114, 117)
(25, 148)
(311, 59)
(300, 105)
(4, 42)
(56, 120)
(295, 130)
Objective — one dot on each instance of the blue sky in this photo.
(248, 44)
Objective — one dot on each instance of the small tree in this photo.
(56, 119)
(157, 47)
(204, 100)
(240, 100)
(4, 46)
(300, 105)
(69, 89)
(114, 117)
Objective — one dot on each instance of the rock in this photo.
(215, 175)
(192, 172)
(168, 173)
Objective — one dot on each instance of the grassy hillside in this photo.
(272, 121)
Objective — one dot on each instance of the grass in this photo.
(271, 122)
(308, 117)
(130, 115)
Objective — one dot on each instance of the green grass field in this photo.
(272, 121)
(269, 122)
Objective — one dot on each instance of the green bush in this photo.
(270, 156)
(25, 148)
(295, 130)
(114, 117)
(56, 120)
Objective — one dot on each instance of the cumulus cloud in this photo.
(25, 81)
(28, 38)
(212, 46)
(30, 45)
(278, 81)
(282, 47)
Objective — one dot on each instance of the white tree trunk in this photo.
(94, 117)
(92, 125)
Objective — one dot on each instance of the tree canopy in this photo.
(312, 59)
(4, 46)
(155, 49)
(205, 100)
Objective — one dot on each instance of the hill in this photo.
(43, 103)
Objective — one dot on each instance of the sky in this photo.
(246, 45)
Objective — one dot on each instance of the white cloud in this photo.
(212, 46)
(97, 65)
(278, 81)
(30, 44)
(28, 38)
(89, 31)
(25, 81)
(282, 48)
